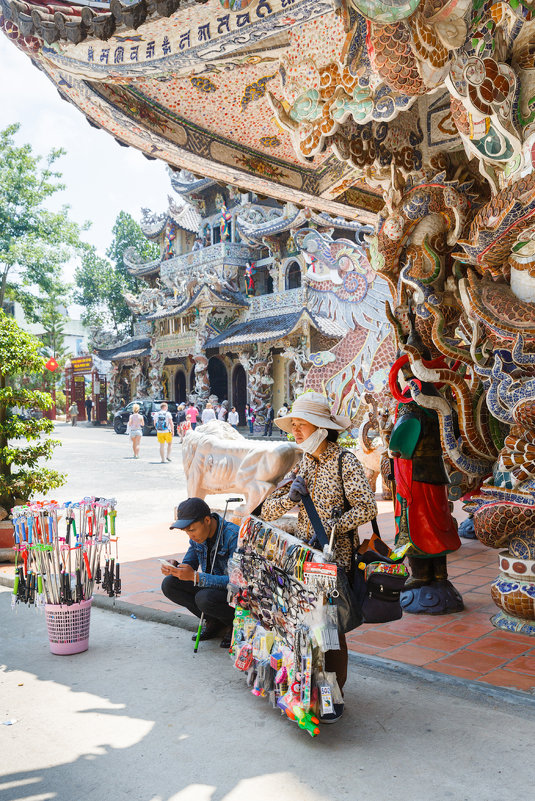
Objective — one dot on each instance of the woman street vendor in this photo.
(334, 483)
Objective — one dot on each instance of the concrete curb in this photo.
(177, 619)
(468, 689)
(397, 670)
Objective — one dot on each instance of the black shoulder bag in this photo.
(367, 594)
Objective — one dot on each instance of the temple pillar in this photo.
(279, 381)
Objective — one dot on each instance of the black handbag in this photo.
(377, 585)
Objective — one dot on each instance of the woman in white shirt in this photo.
(208, 414)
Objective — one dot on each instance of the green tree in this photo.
(127, 234)
(34, 242)
(99, 288)
(52, 318)
(53, 321)
(101, 281)
(21, 474)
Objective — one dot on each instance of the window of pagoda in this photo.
(293, 275)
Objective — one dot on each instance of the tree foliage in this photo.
(101, 281)
(127, 233)
(35, 242)
(21, 475)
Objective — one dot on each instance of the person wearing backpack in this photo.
(163, 423)
(335, 480)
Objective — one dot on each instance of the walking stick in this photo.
(211, 567)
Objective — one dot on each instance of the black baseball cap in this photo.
(190, 511)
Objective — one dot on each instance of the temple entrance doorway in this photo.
(239, 391)
(217, 375)
(192, 380)
(180, 387)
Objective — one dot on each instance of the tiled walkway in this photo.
(463, 644)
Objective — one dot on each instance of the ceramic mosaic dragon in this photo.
(342, 285)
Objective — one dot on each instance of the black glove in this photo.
(298, 488)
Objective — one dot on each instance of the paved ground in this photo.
(138, 717)
(465, 645)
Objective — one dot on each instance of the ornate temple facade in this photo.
(229, 308)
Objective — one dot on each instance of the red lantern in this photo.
(51, 364)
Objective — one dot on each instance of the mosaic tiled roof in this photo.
(135, 348)
(181, 213)
(74, 23)
(266, 329)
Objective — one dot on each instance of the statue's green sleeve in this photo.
(405, 435)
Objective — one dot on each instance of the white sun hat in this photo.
(316, 409)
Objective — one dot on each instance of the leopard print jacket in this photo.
(323, 481)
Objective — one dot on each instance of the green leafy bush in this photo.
(21, 475)
(61, 401)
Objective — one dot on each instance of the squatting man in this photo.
(194, 583)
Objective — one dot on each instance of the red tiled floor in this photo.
(411, 654)
(409, 625)
(443, 642)
(500, 644)
(362, 648)
(508, 678)
(473, 600)
(380, 639)
(466, 628)
(480, 663)
(524, 664)
(484, 573)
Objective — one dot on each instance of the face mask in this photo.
(311, 444)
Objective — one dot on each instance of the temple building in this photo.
(227, 310)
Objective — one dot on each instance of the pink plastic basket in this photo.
(68, 627)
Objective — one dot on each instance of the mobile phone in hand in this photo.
(166, 563)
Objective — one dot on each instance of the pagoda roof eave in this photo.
(133, 348)
(141, 269)
(74, 22)
(271, 329)
(184, 185)
(204, 295)
(301, 217)
(186, 217)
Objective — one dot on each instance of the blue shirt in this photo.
(197, 554)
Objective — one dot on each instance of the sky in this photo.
(101, 177)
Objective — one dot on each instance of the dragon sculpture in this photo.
(341, 285)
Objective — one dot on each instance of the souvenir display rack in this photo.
(59, 553)
(285, 595)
